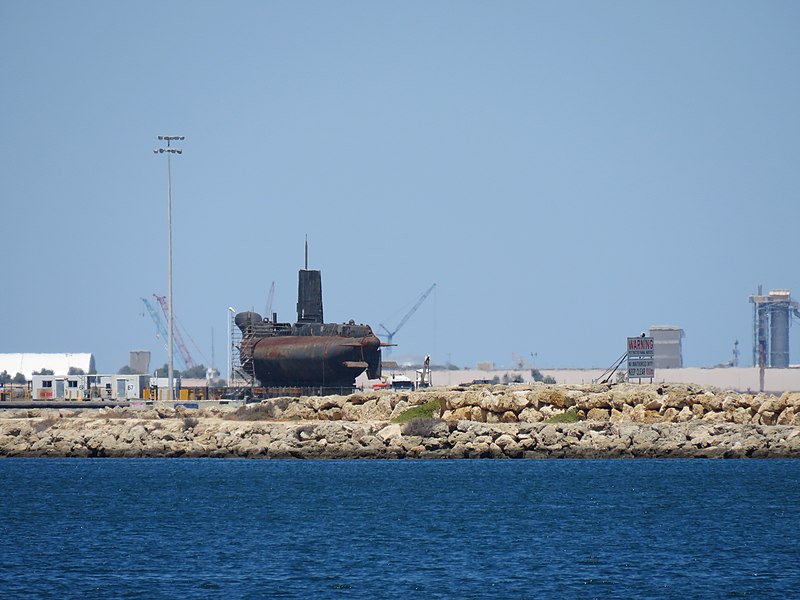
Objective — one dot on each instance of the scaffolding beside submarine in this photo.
(309, 352)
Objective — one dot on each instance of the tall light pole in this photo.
(169, 150)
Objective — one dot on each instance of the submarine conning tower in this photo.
(309, 297)
(309, 294)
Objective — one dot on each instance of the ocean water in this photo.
(134, 528)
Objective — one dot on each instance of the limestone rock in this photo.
(504, 440)
(389, 432)
(530, 415)
(670, 414)
(463, 412)
(486, 421)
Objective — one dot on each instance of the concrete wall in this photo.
(741, 378)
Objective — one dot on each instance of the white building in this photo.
(59, 364)
(89, 387)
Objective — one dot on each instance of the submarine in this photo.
(309, 352)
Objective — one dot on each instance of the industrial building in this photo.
(667, 347)
(772, 316)
(89, 387)
(139, 361)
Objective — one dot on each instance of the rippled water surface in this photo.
(133, 528)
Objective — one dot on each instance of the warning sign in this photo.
(641, 351)
(641, 372)
(640, 346)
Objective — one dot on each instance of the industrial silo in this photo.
(772, 314)
(779, 317)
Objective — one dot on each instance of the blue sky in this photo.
(567, 173)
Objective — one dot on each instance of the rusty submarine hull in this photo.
(308, 353)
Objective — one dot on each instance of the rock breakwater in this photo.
(478, 422)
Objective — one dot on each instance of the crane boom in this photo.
(162, 330)
(390, 334)
(414, 308)
(270, 298)
(187, 358)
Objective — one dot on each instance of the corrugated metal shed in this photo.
(27, 363)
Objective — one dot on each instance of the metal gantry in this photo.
(231, 349)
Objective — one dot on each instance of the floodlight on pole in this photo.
(169, 150)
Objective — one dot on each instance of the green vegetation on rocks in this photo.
(421, 411)
(568, 416)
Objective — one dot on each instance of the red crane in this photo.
(187, 358)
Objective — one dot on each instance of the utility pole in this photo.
(169, 151)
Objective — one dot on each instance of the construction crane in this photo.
(390, 334)
(270, 298)
(187, 358)
(161, 328)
